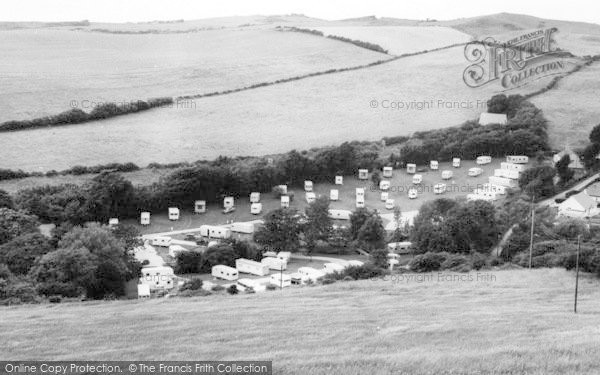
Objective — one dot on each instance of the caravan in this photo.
(439, 188)
(360, 202)
(384, 196)
(309, 273)
(512, 166)
(334, 194)
(274, 263)
(433, 165)
(251, 267)
(507, 173)
(502, 181)
(200, 207)
(246, 227)
(360, 193)
(387, 172)
(285, 201)
(332, 267)
(411, 168)
(482, 160)
(456, 162)
(281, 280)
(446, 175)
(145, 218)
(339, 214)
(173, 213)
(161, 241)
(256, 208)
(224, 272)
(339, 180)
(475, 171)
(254, 197)
(212, 231)
(113, 222)
(285, 256)
(517, 159)
(363, 174)
(384, 185)
(308, 186)
(157, 278)
(310, 197)
(417, 179)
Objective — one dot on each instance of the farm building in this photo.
(161, 241)
(285, 201)
(579, 206)
(474, 172)
(224, 272)
(145, 218)
(417, 179)
(575, 162)
(433, 165)
(387, 172)
(385, 196)
(411, 168)
(502, 181)
(281, 280)
(256, 208)
(512, 166)
(157, 278)
(173, 213)
(482, 160)
(339, 214)
(254, 197)
(492, 118)
(517, 159)
(339, 180)
(251, 267)
(363, 174)
(334, 194)
(274, 263)
(200, 207)
(308, 186)
(212, 231)
(310, 197)
(439, 188)
(384, 185)
(446, 175)
(593, 191)
(456, 162)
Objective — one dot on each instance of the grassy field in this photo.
(400, 39)
(302, 114)
(571, 121)
(516, 322)
(60, 65)
(459, 186)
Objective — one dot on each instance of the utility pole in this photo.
(281, 276)
(531, 236)
(577, 272)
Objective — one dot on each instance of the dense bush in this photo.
(428, 262)
(77, 116)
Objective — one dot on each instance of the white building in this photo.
(578, 206)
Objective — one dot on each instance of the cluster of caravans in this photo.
(155, 275)
(505, 177)
(278, 263)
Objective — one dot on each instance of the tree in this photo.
(281, 230)
(472, 227)
(218, 254)
(398, 234)
(379, 258)
(538, 181)
(376, 179)
(15, 223)
(497, 104)
(109, 195)
(128, 234)
(188, 262)
(318, 223)
(358, 218)
(20, 253)
(595, 134)
(244, 249)
(372, 233)
(562, 169)
(6, 200)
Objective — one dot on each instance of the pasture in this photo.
(58, 66)
(397, 98)
(399, 40)
(513, 321)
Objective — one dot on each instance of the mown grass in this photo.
(521, 322)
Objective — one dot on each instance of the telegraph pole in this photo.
(531, 236)
(577, 272)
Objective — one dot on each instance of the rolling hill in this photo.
(516, 322)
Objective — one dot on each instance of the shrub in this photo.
(428, 262)
(218, 288)
(478, 261)
(348, 278)
(232, 289)
(54, 299)
(456, 262)
(364, 272)
(271, 287)
(193, 284)
(327, 281)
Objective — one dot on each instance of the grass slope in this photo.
(520, 322)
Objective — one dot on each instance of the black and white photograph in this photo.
(299, 187)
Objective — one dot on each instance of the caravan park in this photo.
(333, 196)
